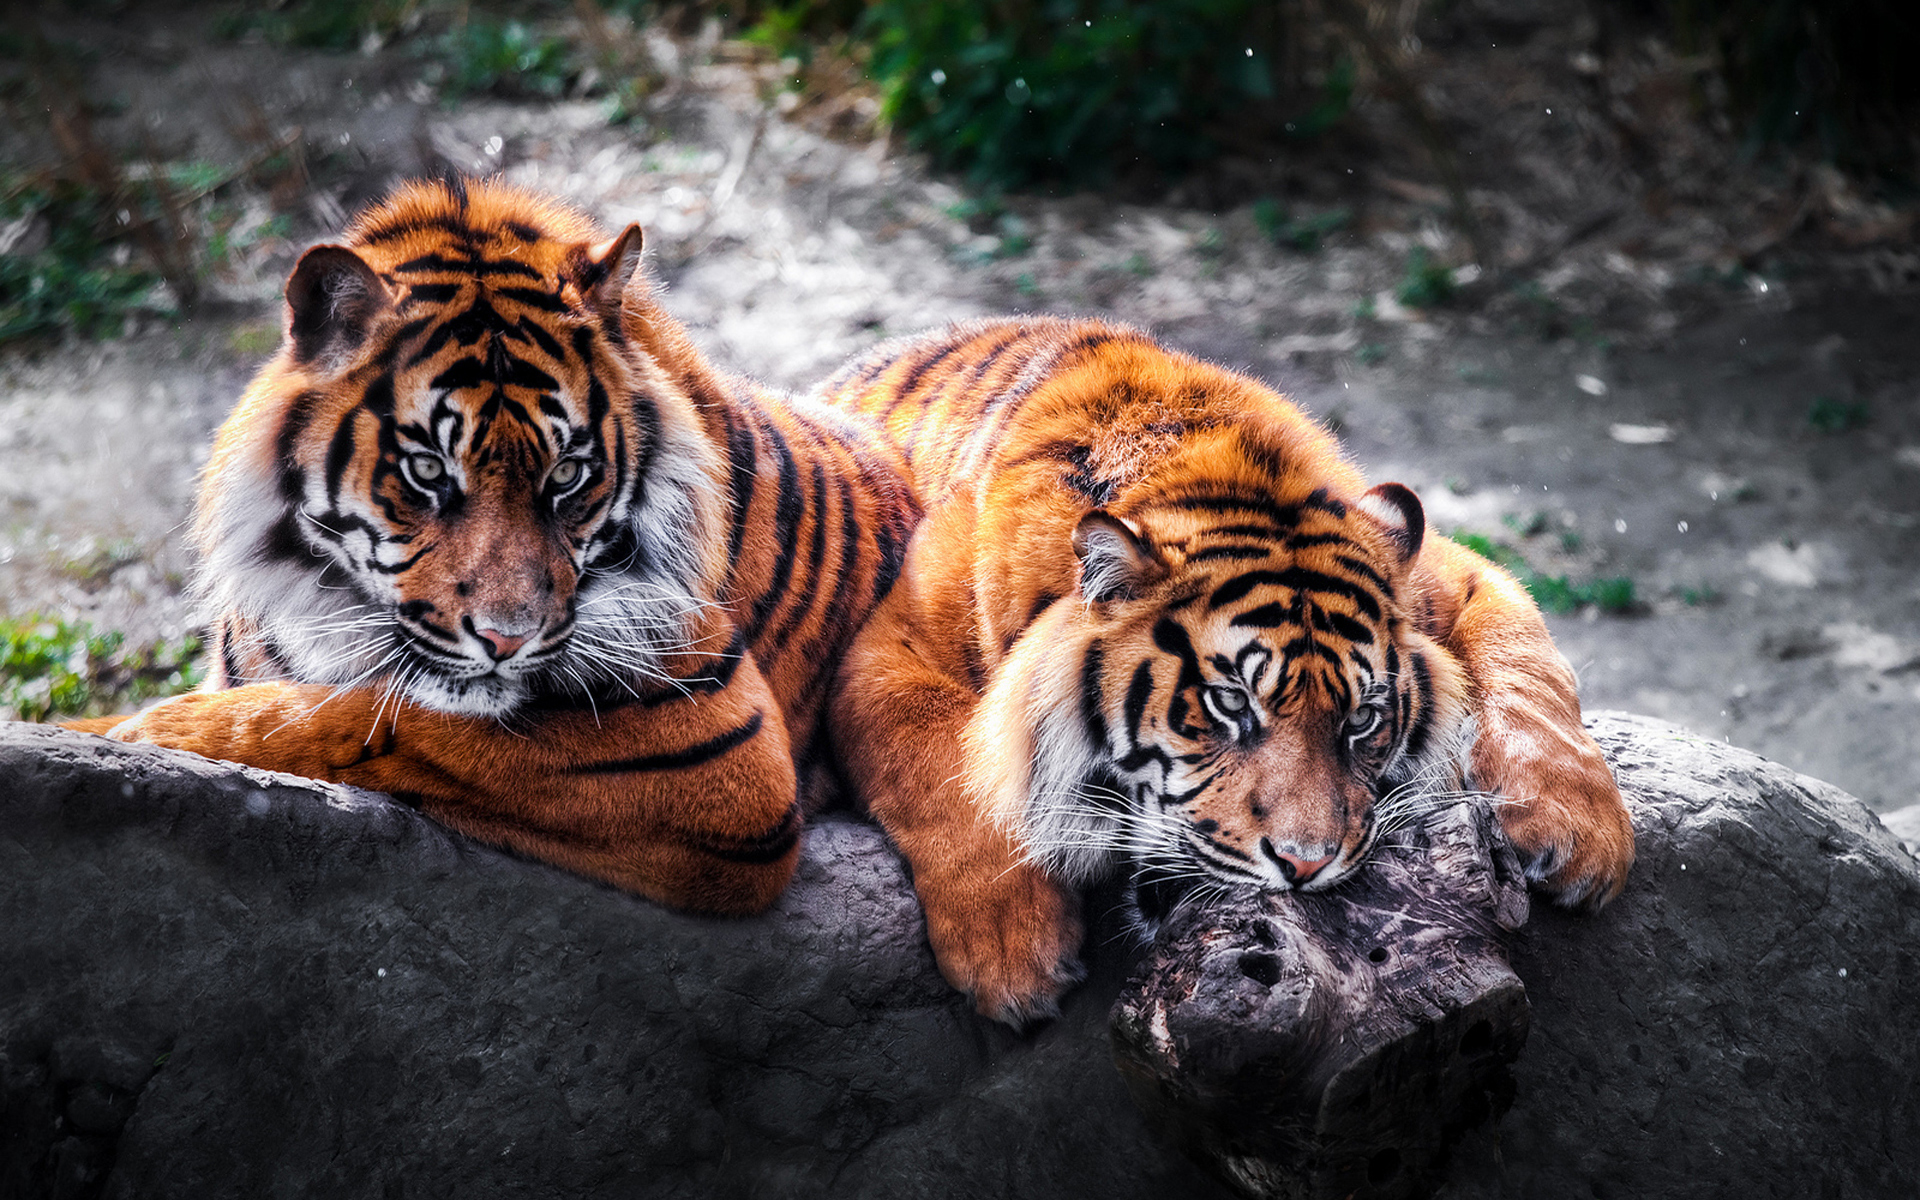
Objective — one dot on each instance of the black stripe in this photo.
(1231, 553)
(786, 525)
(919, 370)
(432, 293)
(339, 453)
(1346, 626)
(1423, 681)
(1041, 603)
(542, 338)
(1298, 579)
(1267, 616)
(1300, 541)
(772, 846)
(293, 480)
(229, 665)
(532, 298)
(476, 267)
(833, 624)
(677, 760)
(1365, 570)
(816, 556)
(1139, 691)
(411, 225)
(1092, 715)
(742, 462)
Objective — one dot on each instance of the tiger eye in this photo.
(1231, 701)
(427, 468)
(1364, 720)
(564, 472)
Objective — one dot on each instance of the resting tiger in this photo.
(1153, 617)
(490, 535)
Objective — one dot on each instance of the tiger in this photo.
(1153, 620)
(490, 535)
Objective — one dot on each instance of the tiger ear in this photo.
(1116, 559)
(1398, 512)
(609, 267)
(333, 297)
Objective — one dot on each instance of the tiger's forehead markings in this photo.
(481, 268)
(405, 225)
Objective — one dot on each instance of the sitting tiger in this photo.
(488, 534)
(1152, 616)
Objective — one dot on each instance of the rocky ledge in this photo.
(218, 982)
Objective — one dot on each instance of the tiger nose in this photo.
(500, 646)
(1296, 868)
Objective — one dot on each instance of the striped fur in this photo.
(490, 534)
(1153, 617)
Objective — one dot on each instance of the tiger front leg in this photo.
(1558, 801)
(691, 802)
(1002, 930)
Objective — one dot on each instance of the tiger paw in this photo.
(1008, 938)
(261, 725)
(1564, 815)
(176, 723)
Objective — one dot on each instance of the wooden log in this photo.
(1336, 1045)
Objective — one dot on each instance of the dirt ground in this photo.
(1631, 407)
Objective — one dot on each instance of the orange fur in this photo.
(1152, 615)
(490, 535)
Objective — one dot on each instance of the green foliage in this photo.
(1304, 233)
(1836, 74)
(989, 214)
(319, 24)
(1370, 354)
(59, 273)
(1427, 283)
(1830, 415)
(1528, 525)
(504, 59)
(1030, 91)
(51, 668)
(782, 28)
(1554, 593)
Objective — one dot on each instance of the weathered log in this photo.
(1336, 1045)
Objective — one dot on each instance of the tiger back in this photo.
(489, 534)
(1153, 619)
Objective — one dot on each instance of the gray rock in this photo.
(219, 982)
(1744, 1021)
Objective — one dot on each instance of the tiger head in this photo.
(1236, 694)
(461, 478)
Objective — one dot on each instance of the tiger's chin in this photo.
(482, 696)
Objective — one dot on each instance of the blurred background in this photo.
(1626, 291)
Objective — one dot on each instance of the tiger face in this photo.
(474, 492)
(1235, 696)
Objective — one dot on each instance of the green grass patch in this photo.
(1427, 283)
(52, 669)
(1554, 593)
(316, 24)
(1830, 415)
(62, 271)
(1303, 233)
(1079, 91)
(504, 58)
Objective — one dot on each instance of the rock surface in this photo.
(217, 982)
